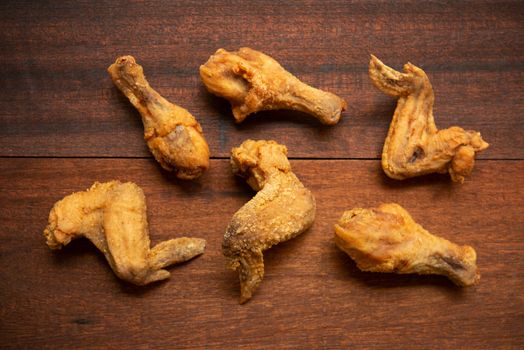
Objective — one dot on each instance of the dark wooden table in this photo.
(63, 125)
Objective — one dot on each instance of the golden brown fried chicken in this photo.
(414, 146)
(282, 209)
(173, 135)
(253, 81)
(387, 239)
(112, 215)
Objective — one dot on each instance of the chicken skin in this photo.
(414, 146)
(253, 81)
(112, 215)
(172, 134)
(387, 239)
(282, 209)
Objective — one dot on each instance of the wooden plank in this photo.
(57, 99)
(313, 296)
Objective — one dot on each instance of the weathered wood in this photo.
(312, 296)
(57, 99)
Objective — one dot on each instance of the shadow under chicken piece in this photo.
(253, 81)
(172, 134)
(282, 209)
(112, 215)
(387, 239)
(414, 146)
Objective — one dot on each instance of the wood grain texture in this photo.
(63, 125)
(57, 99)
(312, 296)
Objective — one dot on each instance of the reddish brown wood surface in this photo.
(63, 125)
(57, 95)
(312, 296)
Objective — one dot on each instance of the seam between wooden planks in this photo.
(227, 158)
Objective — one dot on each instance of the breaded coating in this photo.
(253, 81)
(112, 215)
(173, 135)
(387, 239)
(282, 209)
(414, 146)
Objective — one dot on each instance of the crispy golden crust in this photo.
(112, 215)
(282, 209)
(414, 146)
(173, 135)
(253, 81)
(387, 239)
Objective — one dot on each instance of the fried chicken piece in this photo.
(112, 215)
(387, 239)
(282, 209)
(414, 146)
(253, 81)
(172, 134)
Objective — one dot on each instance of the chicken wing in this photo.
(172, 134)
(282, 209)
(112, 215)
(387, 239)
(414, 146)
(253, 81)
